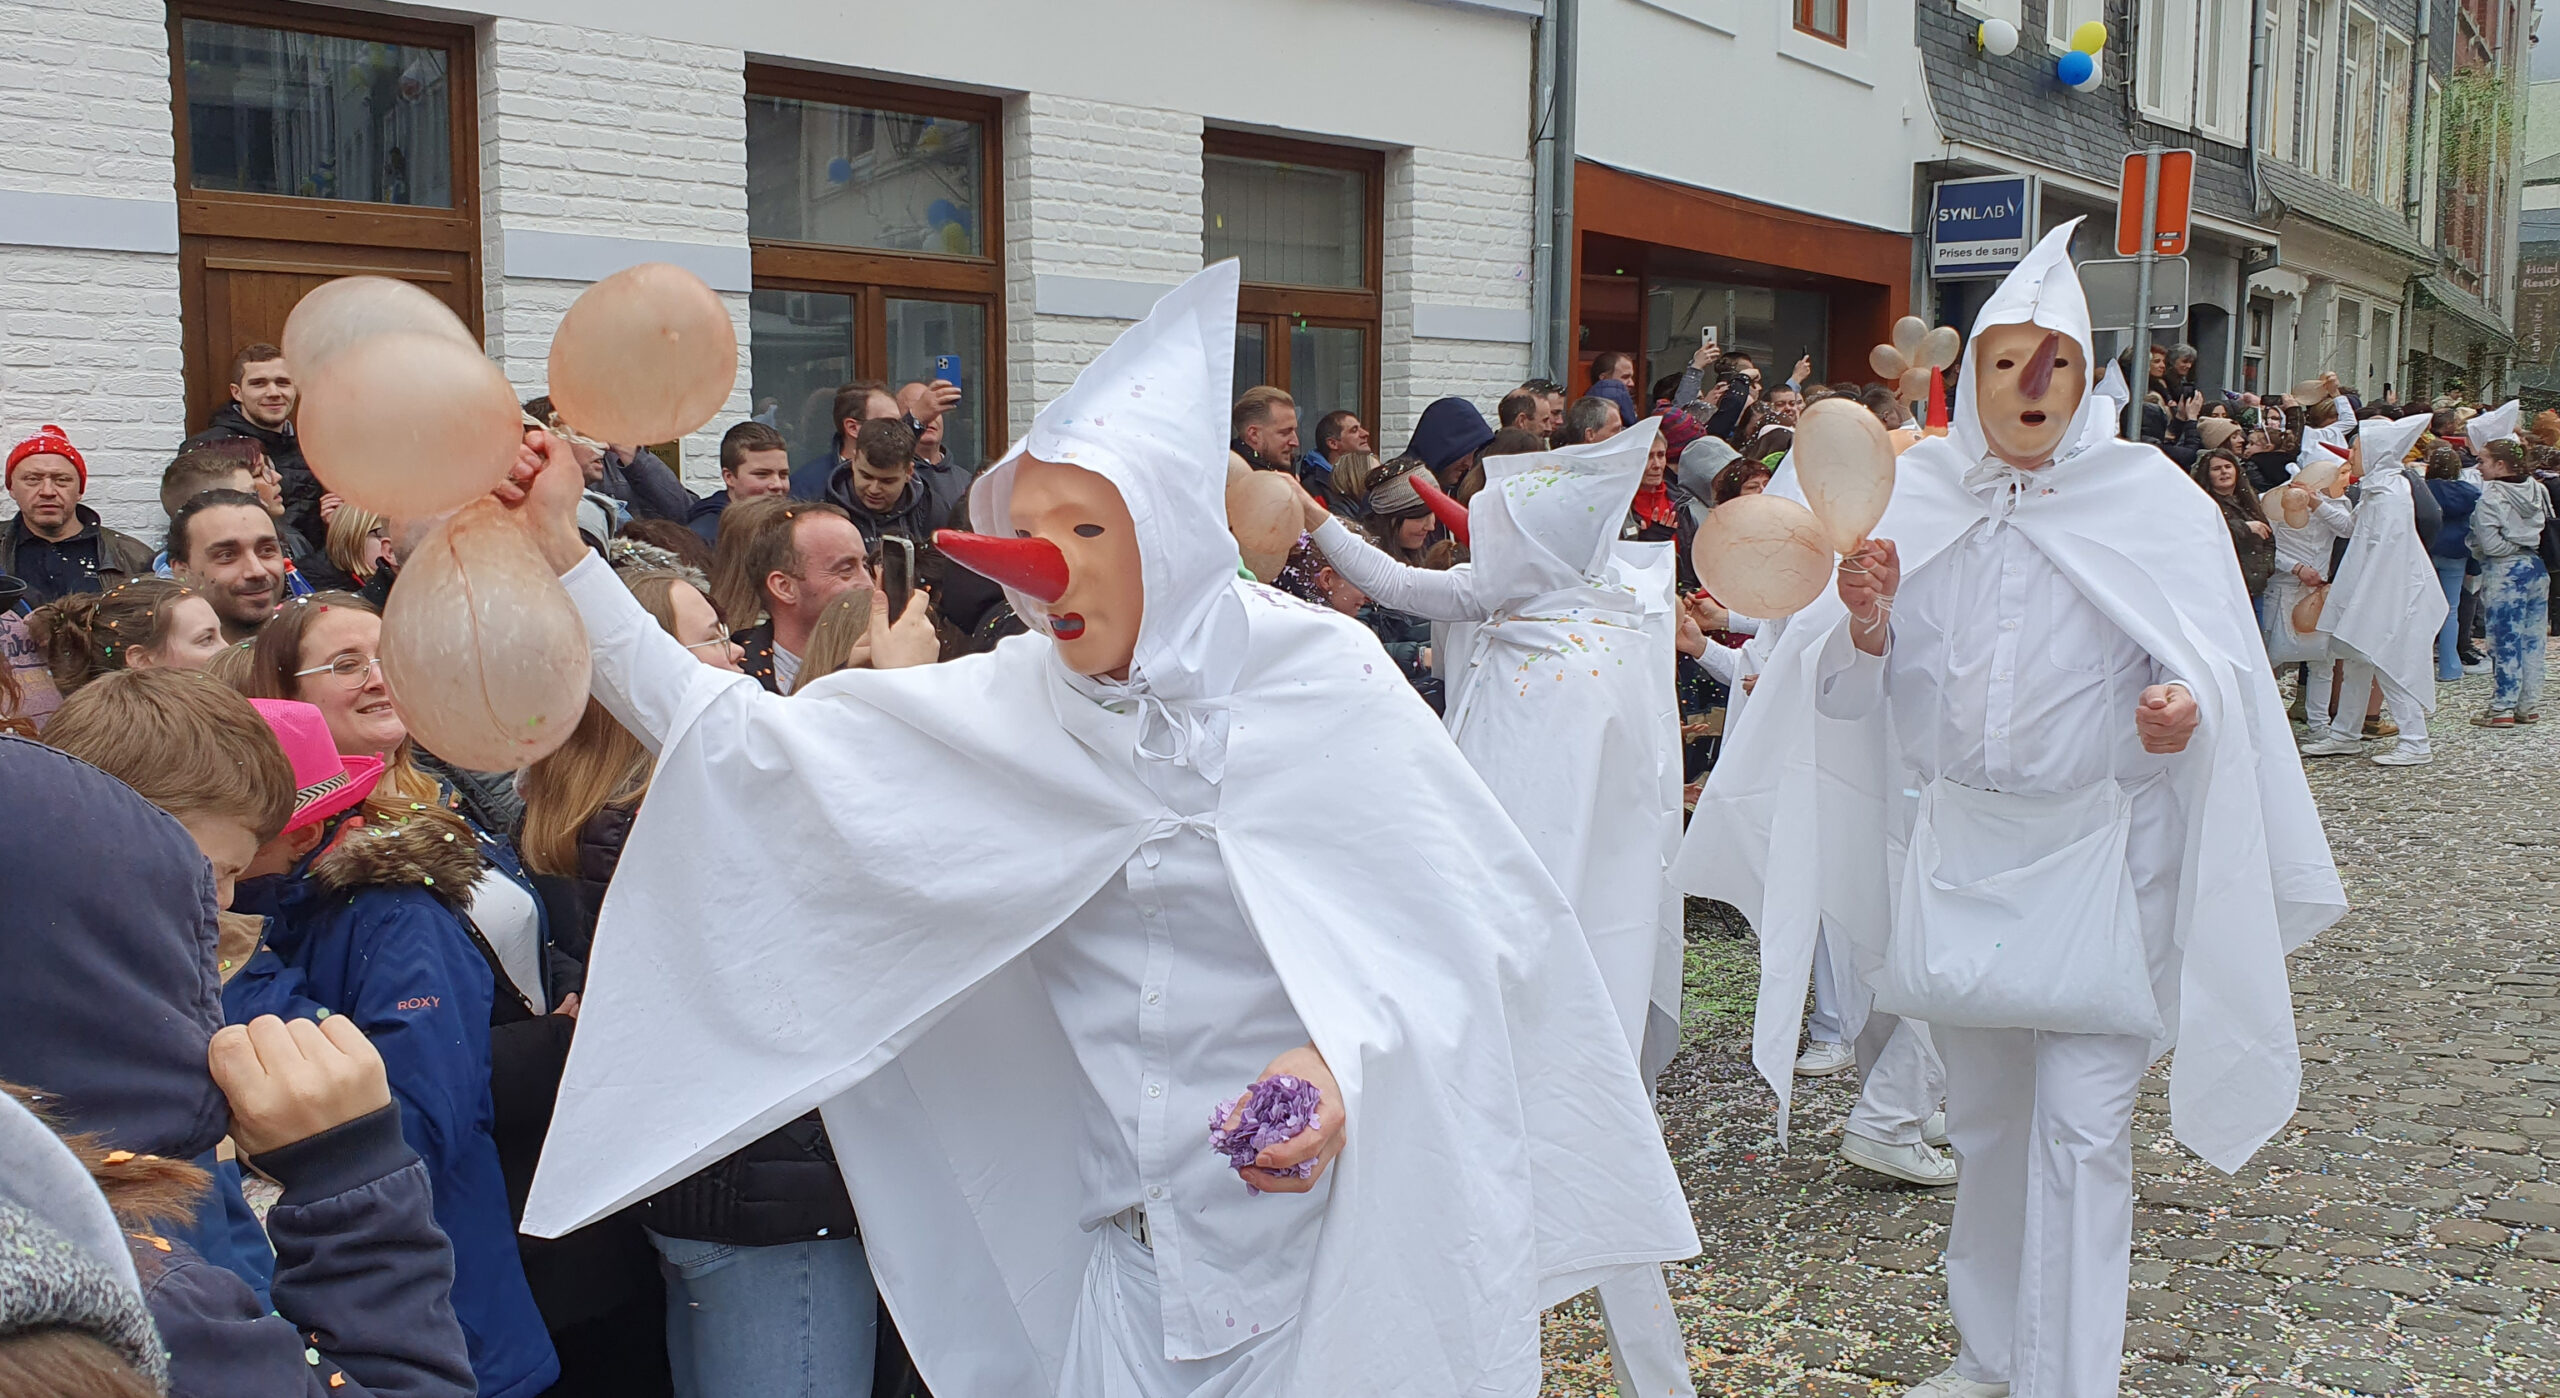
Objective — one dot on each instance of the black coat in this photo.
(302, 489)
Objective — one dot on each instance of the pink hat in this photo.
(324, 782)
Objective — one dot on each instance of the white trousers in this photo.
(1646, 1348)
(1116, 1346)
(2348, 722)
(1901, 1080)
(2041, 1248)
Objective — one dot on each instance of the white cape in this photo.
(826, 901)
(2387, 603)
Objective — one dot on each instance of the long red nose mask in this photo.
(1034, 566)
(1451, 513)
(2039, 375)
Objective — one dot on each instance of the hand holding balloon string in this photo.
(1869, 578)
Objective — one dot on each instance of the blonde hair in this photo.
(1351, 475)
(185, 743)
(349, 528)
(601, 765)
(839, 629)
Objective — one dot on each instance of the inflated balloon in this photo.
(2097, 74)
(1237, 469)
(1887, 362)
(1263, 514)
(1914, 385)
(2074, 68)
(2296, 504)
(1908, 332)
(1762, 555)
(2307, 391)
(1844, 462)
(2306, 613)
(482, 649)
(339, 313)
(2318, 475)
(1998, 37)
(646, 355)
(2090, 37)
(1939, 348)
(408, 425)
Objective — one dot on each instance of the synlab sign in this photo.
(1981, 227)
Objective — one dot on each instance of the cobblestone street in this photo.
(2401, 1237)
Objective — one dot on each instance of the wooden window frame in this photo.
(874, 276)
(1278, 306)
(231, 214)
(1806, 24)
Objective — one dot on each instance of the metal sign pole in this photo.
(2141, 365)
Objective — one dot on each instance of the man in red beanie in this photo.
(56, 544)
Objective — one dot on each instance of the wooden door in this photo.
(238, 291)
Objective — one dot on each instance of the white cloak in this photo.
(2387, 603)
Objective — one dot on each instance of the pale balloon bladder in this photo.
(1888, 363)
(646, 355)
(1908, 332)
(2295, 503)
(1264, 515)
(1844, 462)
(2320, 474)
(339, 313)
(1938, 348)
(482, 650)
(406, 424)
(1761, 555)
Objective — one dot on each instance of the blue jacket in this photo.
(704, 518)
(809, 478)
(2457, 499)
(106, 1010)
(368, 928)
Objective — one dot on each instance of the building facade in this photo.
(1010, 187)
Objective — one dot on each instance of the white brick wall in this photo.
(1091, 189)
(588, 132)
(91, 339)
(1457, 234)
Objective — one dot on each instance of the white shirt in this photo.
(2312, 544)
(1173, 1008)
(1434, 594)
(2000, 675)
(512, 922)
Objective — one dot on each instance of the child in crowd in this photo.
(2515, 593)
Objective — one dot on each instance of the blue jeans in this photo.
(794, 1321)
(2516, 598)
(2449, 637)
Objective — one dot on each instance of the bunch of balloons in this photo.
(1916, 359)
(2079, 69)
(1767, 556)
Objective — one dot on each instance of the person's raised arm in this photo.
(1432, 594)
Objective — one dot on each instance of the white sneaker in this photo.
(2403, 756)
(1918, 1163)
(1934, 1130)
(2332, 745)
(1821, 1060)
(1954, 1385)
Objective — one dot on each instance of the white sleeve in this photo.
(1722, 661)
(1848, 683)
(1432, 594)
(643, 675)
(1741, 625)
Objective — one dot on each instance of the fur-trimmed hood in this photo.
(424, 846)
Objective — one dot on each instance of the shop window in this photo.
(873, 214)
(1824, 19)
(1304, 222)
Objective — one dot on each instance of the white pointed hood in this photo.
(2495, 425)
(2388, 439)
(1149, 414)
(1545, 520)
(2044, 289)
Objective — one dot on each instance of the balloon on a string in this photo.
(339, 313)
(646, 355)
(2074, 68)
(2090, 37)
(1762, 555)
(1888, 363)
(1264, 515)
(1998, 37)
(1914, 385)
(2306, 613)
(2095, 76)
(482, 650)
(1844, 462)
(408, 425)
(1939, 348)
(1908, 332)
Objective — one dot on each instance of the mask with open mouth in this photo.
(2029, 382)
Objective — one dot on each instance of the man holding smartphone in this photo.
(925, 405)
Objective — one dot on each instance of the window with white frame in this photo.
(2284, 50)
(2433, 126)
(2063, 18)
(2164, 61)
(2347, 348)
(2222, 69)
(2383, 348)
(2253, 357)
(2394, 160)
(2362, 102)
(2320, 83)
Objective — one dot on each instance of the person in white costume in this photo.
(1562, 700)
(1192, 833)
(2387, 605)
(2032, 738)
(2302, 564)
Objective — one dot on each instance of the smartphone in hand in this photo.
(897, 568)
(946, 367)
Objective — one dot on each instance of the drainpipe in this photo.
(1551, 338)
(2420, 161)
(1542, 139)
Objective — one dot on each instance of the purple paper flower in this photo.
(1274, 1110)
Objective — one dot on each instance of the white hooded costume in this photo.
(2387, 604)
(2048, 600)
(1563, 702)
(1016, 931)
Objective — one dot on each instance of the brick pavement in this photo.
(2402, 1236)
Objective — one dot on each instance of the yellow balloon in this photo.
(2090, 36)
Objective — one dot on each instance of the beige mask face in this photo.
(2028, 383)
(1095, 621)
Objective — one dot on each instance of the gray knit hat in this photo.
(63, 1263)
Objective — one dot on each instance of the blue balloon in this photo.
(840, 170)
(2074, 68)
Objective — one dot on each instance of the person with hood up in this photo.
(111, 1016)
(2032, 733)
(1448, 437)
(1020, 1074)
(1560, 696)
(2387, 605)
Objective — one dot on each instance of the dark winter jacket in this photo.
(1405, 637)
(784, 1188)
(809, 478)
(1450, 430)
(110, 1002)
(2455, 500)
(1316, 474)
(302, 489)
(756, 643)
(911, 518)
(704, 518)
(646, 486)
(93, 560)
(372, 926)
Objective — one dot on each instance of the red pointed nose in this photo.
(1451, 513)
(1026, 565)
(2342, 452)
(2038, 376)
